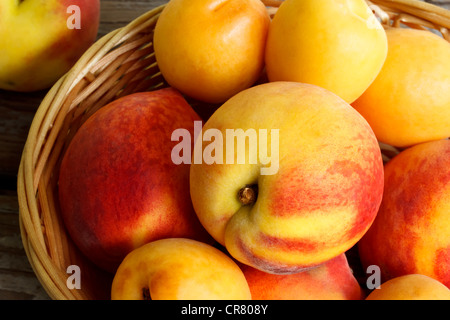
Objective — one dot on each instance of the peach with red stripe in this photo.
(411, 233)
(324, 195)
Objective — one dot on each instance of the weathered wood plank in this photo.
(14, 127)
(17, 279)
(118, 13)
(441, 3)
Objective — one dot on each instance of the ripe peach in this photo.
(39, 44)
(212, 49)
(332, 280)
(408, 103)
(338, 45)
(303, 189)
(411, 287)
(179, 269)
(118, 186)
(411, 233)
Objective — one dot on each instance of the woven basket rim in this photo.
(64, 96)
(32, 238)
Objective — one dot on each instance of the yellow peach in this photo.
(411, 287)
(409, 101)
(291, 176)
(212, 49)
(41, 41)
(338, 45)
(179, 269)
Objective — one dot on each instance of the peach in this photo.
(118, 186)
(212, 49)
(338, 45)
(332, 280)
(411, 287)
(179, 269)
(38, 42)
(408, 103)
(411, 233)
(296, 181)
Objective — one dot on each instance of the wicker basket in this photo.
(120, 63)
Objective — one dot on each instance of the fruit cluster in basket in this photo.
(264, 197)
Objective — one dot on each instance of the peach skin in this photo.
(338, 45)
(211, 49)
(332, 280)
(409, 101)
(118, 186)
(179, 269)
(411, 233)
(310, 184)
(411, 287)
(38, 43)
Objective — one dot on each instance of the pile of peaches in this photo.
(310, 90)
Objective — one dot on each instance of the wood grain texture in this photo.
(17, 279)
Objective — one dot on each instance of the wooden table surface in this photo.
(17, 280)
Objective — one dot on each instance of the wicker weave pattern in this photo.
(120, 63)
(414, 14)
